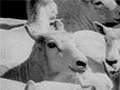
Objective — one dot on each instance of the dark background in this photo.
(13, 9)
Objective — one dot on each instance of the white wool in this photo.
(51, 85)
(100, 80)
(91, 44)
(111, 4)
(13, 45)
(6, 84)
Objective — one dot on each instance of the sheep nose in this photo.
(80, 63)
(111, 62)
(80, 66)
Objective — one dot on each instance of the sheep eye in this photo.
(51, 44)
(98, 4)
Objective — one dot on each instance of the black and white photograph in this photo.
(59, 44)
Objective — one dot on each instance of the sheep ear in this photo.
(59, 25)
(101, 28)
(32, 33)
(30, 85)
